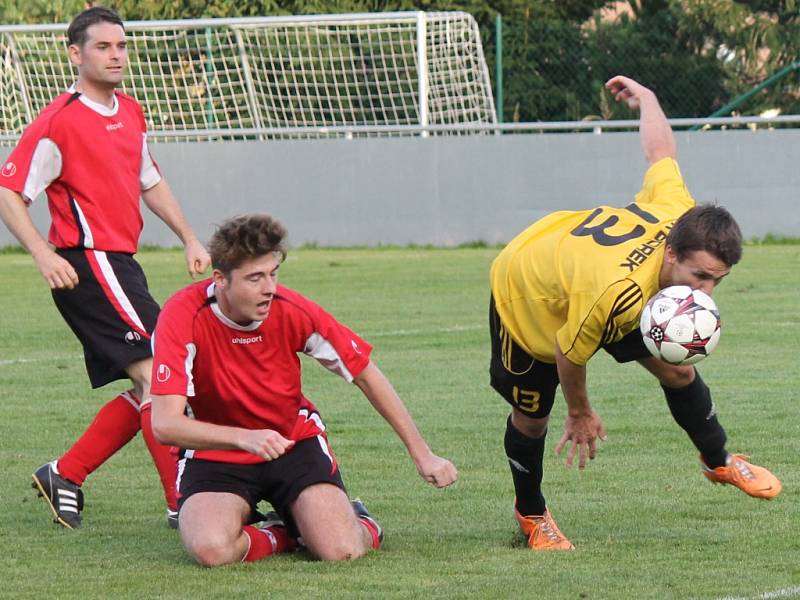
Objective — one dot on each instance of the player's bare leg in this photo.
(211, 527)
(329, 527)
(214, 531)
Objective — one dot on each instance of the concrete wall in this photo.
(447, 191)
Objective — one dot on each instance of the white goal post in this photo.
(299, 76)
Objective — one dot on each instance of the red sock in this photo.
(373, 531)
(267, 541)
(114, 426)
(164, 458)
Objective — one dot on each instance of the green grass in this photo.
(646, 523)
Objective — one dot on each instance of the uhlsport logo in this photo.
(9, 169)
(132, 338)
(163, 373)
(113, 126)
(247, 340)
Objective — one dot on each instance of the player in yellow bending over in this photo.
(577, 281)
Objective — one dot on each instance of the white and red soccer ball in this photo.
(680, 325)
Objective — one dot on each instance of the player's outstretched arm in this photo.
(582, 426)
(57, 272)
(171, 426)
(162, 202)
(436, 470)
(654, 130)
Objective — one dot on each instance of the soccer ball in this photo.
(680, 325)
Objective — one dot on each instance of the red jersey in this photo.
(93, 163)
(249, 376)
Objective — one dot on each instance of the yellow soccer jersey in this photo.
(581, 278)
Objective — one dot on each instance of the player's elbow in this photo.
(163, 429)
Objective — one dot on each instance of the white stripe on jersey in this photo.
(148, 174)
(116, 288)
(321, 349)
(45, 167)
(188, 364)
(303, 412)
(88, 238)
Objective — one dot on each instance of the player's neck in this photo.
(101, 94)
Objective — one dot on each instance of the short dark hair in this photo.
(76, 33)
(707, 227)
(244, 237)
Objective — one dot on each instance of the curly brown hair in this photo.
(707, 227)
(244, 237)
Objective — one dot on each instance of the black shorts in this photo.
(110, 311)
(529, 384)
(278, 481)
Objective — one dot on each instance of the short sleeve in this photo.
(593, 322)
(33, 165)
(663, 184)
(335, 346)
(173, 351)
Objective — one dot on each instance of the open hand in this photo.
(583, 432)
(57, 272)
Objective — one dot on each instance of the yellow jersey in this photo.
(581, 278)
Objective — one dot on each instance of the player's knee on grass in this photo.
(330, 529)
(211, 528)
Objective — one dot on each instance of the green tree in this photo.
(754, 40)
(651, 46)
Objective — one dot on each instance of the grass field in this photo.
(645, 522)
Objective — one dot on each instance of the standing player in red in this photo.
(229, 347)
(88, 151)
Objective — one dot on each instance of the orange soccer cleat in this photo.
(542, 532)
(753, 480)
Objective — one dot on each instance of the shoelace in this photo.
(742, 468)
(547, 529)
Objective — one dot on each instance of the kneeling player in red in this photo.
(228, 346)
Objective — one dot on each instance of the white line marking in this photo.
(453, 329)
(22, 361)
(395, 333)
(791, 592)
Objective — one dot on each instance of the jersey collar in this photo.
(100, 109)
(210, 293)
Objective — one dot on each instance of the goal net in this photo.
(371, 74)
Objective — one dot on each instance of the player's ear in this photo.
(219, 278)
(75, 57)
(669, 255)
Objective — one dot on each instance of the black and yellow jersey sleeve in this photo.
(593, 321)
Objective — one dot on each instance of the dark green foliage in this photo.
(697, 55)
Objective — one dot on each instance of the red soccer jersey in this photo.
(93, 163)
(249, 376)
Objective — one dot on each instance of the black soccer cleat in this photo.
(363, 514)
(64, 497)
(172, 518)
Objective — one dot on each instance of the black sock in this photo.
(693, 409)
(525, 457)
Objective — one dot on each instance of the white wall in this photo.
(451, 190)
